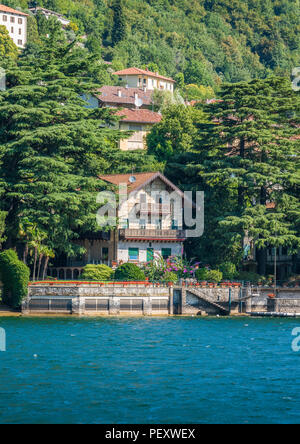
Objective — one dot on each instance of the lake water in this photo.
(149, 370)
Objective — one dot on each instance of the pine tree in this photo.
(252, 155)
(53, 147)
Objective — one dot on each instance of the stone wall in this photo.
(87, 299)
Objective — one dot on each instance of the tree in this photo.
(53, 148)
(119, 23)
(250, 157)
(175, 133)
(7, 46)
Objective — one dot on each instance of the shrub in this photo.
(97, 273)
(214, 276)
(201, 274)
(15, 276)
(170, 276)
(254, 278)
(129, 272)
(229, 270)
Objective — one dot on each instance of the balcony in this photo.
(144, 234)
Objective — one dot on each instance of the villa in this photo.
(149, 224)
(15, 23)
(145, 79)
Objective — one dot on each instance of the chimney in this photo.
(119, 93)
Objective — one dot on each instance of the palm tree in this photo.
(48, 253)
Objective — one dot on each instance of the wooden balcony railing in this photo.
(130, 233)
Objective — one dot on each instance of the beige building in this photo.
(145, 79)
(149, 224)
(16, 24)
(140, 121)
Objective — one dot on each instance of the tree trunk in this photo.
(261, 257)
(34, 266)
(45, 267)
(39, 267)
(25, 254)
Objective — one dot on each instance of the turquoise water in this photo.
(148, 370)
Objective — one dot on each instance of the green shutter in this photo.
(133, 254)
(166, 252)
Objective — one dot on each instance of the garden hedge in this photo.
(15, 276)
(97, 273)
(129, 272)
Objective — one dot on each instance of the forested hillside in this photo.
(208, 41)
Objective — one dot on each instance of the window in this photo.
(133, 127)
(158, 199)
(133, 254)
(284, 251)
(143, 198)
(20, 21)
(20, 31)
(158, 224)
(5, 18)
(12, 29)
(142, 224)
(20, 42)
(174, 224)
(105, 253)
(125, 223)
(12, 20)
(166, 252)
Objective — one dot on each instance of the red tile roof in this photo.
(110, 94)
(117, 179)
(4, 8)
(139, 116)
(137, 71)
(141, 179)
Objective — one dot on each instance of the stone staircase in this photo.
(200, 294)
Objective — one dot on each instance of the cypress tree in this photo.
(119, 22)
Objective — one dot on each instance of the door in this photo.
(150, 254)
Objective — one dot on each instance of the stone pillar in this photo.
(78, 306)
(147, 306)
(25, 306)
(183, 298)
(114, 306)
(171, 300)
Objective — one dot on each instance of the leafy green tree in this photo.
(176, 132)
(7, 46)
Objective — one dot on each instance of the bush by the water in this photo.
(14, 275)
(97, 273)
(129, 272)
(203, 274)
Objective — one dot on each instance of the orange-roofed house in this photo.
(16, 24)
(145, 79)
(149, 224)
(140, 121)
